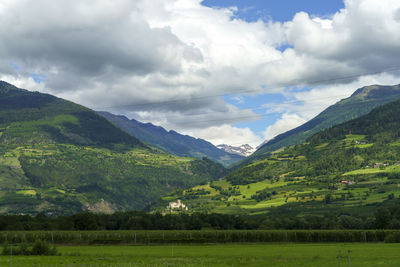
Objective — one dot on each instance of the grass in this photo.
(321, 145)
(309, 255)
(363, 145)
(206, 187)
(393, 168)
(27, 192)
(251, 189)
(351, 140)
(296, 191)
(355, 137)
(266, 204)
(224, 184)
(10, 161)
(239, 204)
(397, 143)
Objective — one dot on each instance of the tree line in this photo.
(383, 218)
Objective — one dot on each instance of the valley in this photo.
(350, 168)
(172, 142)
(199, 133)
(61, 158)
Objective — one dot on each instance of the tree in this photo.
(328, 198)
(350, 222)
(382, 217)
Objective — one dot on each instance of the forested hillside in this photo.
(350, 168)
(171, 141)
(360, 103)
(59, 157)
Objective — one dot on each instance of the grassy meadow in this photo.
(274, 254)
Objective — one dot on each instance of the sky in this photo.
(228, 71)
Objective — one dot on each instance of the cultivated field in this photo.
(309, 255)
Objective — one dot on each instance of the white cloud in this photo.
(305, 105)
(23, 82)
(285, 123)
(364, 37)
(127, 54)
(220, 134)
(319, 98)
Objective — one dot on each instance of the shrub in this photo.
(6, 248)
(392, 238)
(40, 247)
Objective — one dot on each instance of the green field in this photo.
(395, 168)
(217, 255)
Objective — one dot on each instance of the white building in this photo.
(177, 205)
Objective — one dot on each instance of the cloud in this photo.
(152, 59)
(307, 104)
(93, 40)
(362, 38)
(317, 99)
(172, 61)
(178, 120)
(219, 134)
(285, 123)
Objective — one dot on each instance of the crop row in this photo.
(203, 236)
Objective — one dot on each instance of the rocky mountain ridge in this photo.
(172, 141)
(243, 150)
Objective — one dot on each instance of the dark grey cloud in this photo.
(65, 44)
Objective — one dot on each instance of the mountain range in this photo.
(349, 168)
(243, 150)
(171, 141)
(361, 102)
(58, 157)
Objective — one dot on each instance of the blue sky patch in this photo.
(15, 66)
(38, 78)
(266, 10)
(277, 10)
(260, 104)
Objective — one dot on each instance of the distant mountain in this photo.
(243, 150)
(360, 103)
(58, 157)
(171, 141)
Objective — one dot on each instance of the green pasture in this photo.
(10, 161)
(363, 145)
(354, 137)
(29, 192)
(393, 168)
(206, 187)
(251, 189)
(397, 143)
(322, 145)
(309, 255)
(371, 191)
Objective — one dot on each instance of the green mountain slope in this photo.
(31, 117)
(360, 103)
(350, 168)
(171, 141)
(59, 157)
